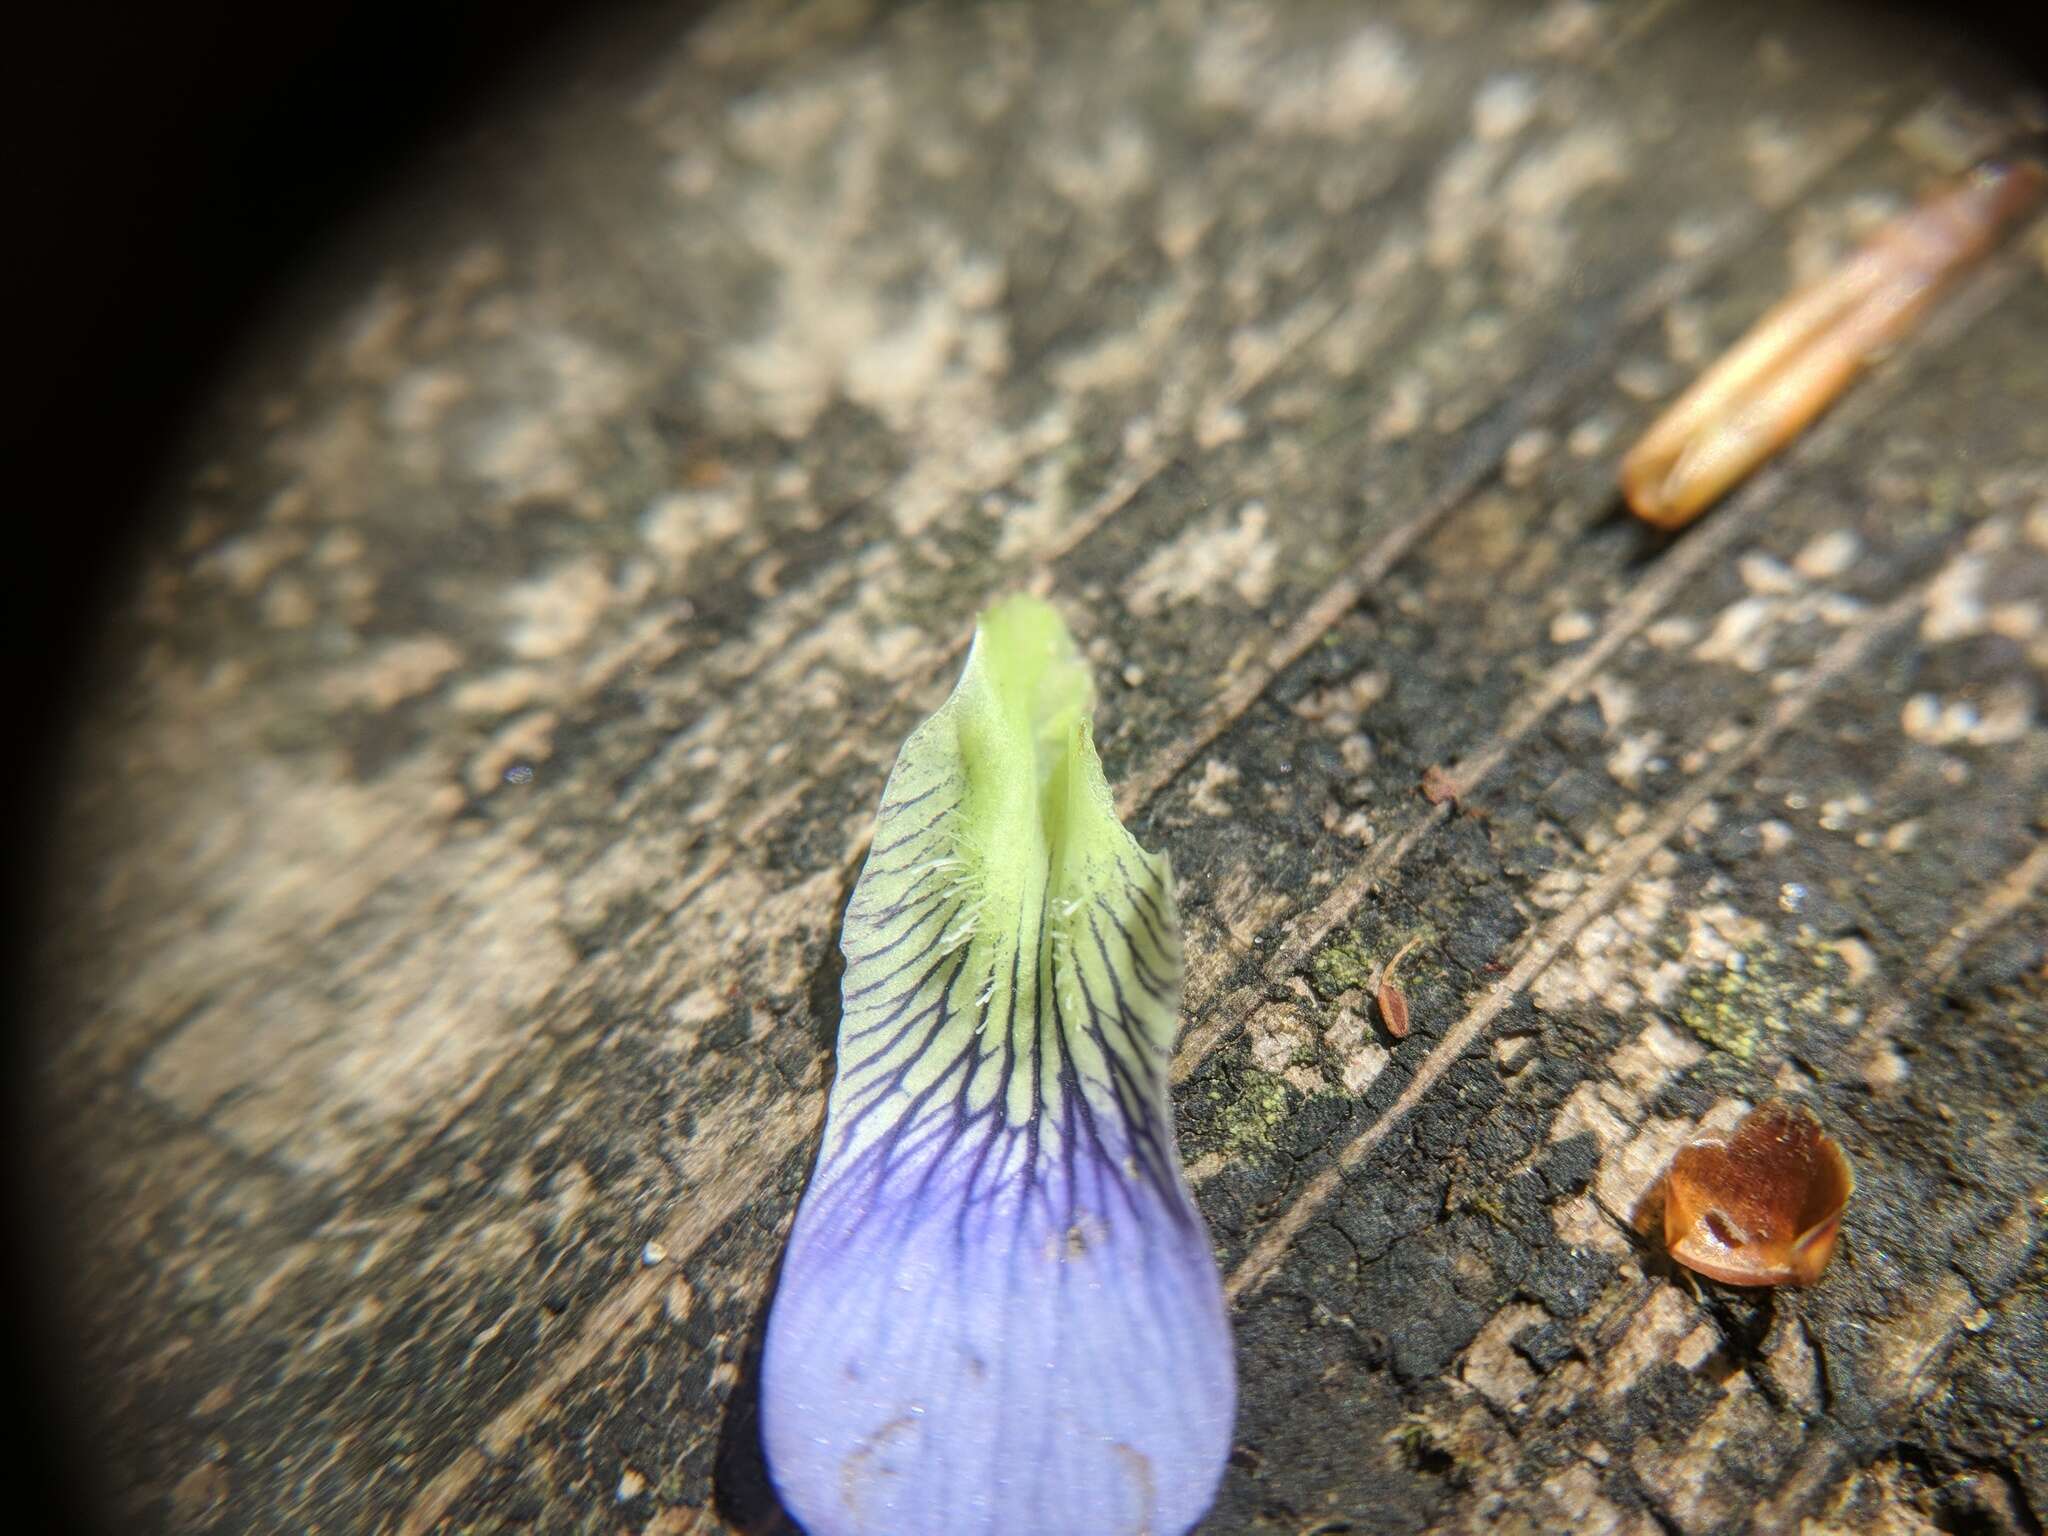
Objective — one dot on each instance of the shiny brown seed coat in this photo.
(1762, 1205)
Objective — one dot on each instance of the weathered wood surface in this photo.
(445, 941)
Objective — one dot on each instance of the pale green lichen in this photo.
(1341, 967)
(1246, 1121)
(1725, 1009)
(1737, 1006)
(1346, 965)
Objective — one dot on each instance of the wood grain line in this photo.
(768, 1139)
(1579, 671)
(1998, 902)
(1296, 332)
(1678, 566)
(1478, 462)
(616, 1314)
(1826, 1453)
(1474, 467)
(1847, 651)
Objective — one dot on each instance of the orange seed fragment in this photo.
(1762, 1205)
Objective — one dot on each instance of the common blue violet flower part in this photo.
(999, 1314)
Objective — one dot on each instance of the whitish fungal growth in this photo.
(999, 1314)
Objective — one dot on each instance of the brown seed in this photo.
(1760, 1206)
(1392, 1001)
(1394, 1010)
(1793, 362)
